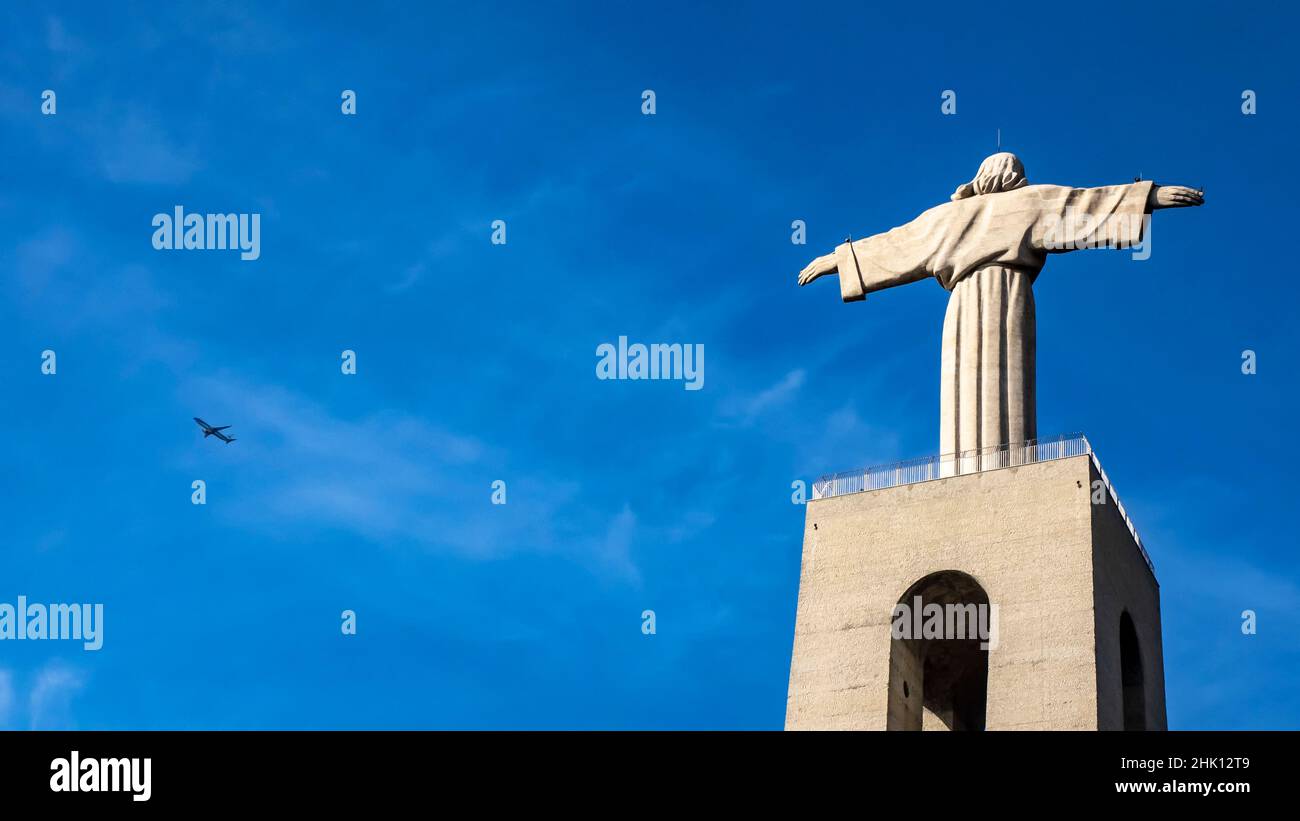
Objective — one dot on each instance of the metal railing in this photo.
(1120, 507)
(944, 465)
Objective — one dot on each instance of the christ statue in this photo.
(986, 248)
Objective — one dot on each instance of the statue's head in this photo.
(1001, 172)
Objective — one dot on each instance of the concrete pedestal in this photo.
(1078, 608)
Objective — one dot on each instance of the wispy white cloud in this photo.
(6, 697)
(436, 251)
(616, 549)
(57, 272)
(692, 524)
(68, 53)
(50, 702)
(395, 477)
(58, 40)
(136, 148)
(413, 274)
(1234, 583)
(44, 256)
(747, 408)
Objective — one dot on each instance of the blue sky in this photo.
(476, 362)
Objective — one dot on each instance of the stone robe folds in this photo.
(987, 251)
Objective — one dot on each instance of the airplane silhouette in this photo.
(208, 430)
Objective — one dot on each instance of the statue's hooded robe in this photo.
(986, 247)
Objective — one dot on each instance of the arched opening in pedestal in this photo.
(938, 671)
(1130, 673)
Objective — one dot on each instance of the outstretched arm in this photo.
(1110, 216)
(896, 257)
(1173, 196)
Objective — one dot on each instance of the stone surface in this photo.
(1059, 568)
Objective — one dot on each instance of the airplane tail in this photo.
(230, 439)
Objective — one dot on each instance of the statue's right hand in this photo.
(819, 267)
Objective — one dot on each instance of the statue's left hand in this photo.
(818, 268)
(1174, 196)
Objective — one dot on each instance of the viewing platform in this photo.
(943, 466)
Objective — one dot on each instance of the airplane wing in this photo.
(223, 427)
